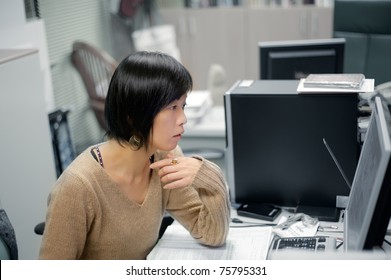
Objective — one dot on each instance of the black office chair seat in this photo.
(9, 247)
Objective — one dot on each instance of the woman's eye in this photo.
(175, 107)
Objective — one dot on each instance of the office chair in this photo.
(8, 245)
(95, 67)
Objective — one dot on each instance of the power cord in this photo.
(339, 245)
(388, 242)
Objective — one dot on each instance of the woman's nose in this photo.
(182, 118)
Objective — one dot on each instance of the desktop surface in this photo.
(249, 239)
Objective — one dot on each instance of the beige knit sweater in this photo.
(90, 218)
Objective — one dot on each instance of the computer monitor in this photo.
(369, 208)
(275, 151)
(293, 60)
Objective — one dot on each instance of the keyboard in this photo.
(313, 243)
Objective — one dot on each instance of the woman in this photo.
(109, 203)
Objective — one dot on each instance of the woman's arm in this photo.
(195, 194)
(203, 206)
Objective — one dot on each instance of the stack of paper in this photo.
(354, 83)
(346, 81)
(243, 243)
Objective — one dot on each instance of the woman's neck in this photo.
(122, 159)
(129, 169)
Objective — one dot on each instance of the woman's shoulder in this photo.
(84, 163)
(83, 170)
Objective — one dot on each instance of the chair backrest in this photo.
(366, 26)
(96, 68)
(8, 245)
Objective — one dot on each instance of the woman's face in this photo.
(168, 125)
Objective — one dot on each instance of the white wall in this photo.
(11, 14)
(16, 32)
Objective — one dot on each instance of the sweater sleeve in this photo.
(203, 207)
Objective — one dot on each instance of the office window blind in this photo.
(66, 22)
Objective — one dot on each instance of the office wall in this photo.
(230, 36)
(16, 32)
(11, 13)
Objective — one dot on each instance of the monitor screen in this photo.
(293, 60)
(369, 207)
(275, 151)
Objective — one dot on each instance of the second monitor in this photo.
(293, 60)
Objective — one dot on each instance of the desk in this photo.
(328, 231)
(292, 255)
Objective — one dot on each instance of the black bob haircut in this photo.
(143, 84)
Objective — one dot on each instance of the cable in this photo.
(339, 245)
(249, 224)
(256, 225)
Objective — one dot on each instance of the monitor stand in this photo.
(326, 214)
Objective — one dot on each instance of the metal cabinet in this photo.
(27, 170)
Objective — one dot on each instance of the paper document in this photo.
(244, 243)
(296, 229)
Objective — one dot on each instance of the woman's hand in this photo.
(177, 172)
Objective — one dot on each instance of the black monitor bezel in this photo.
(314, 48)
